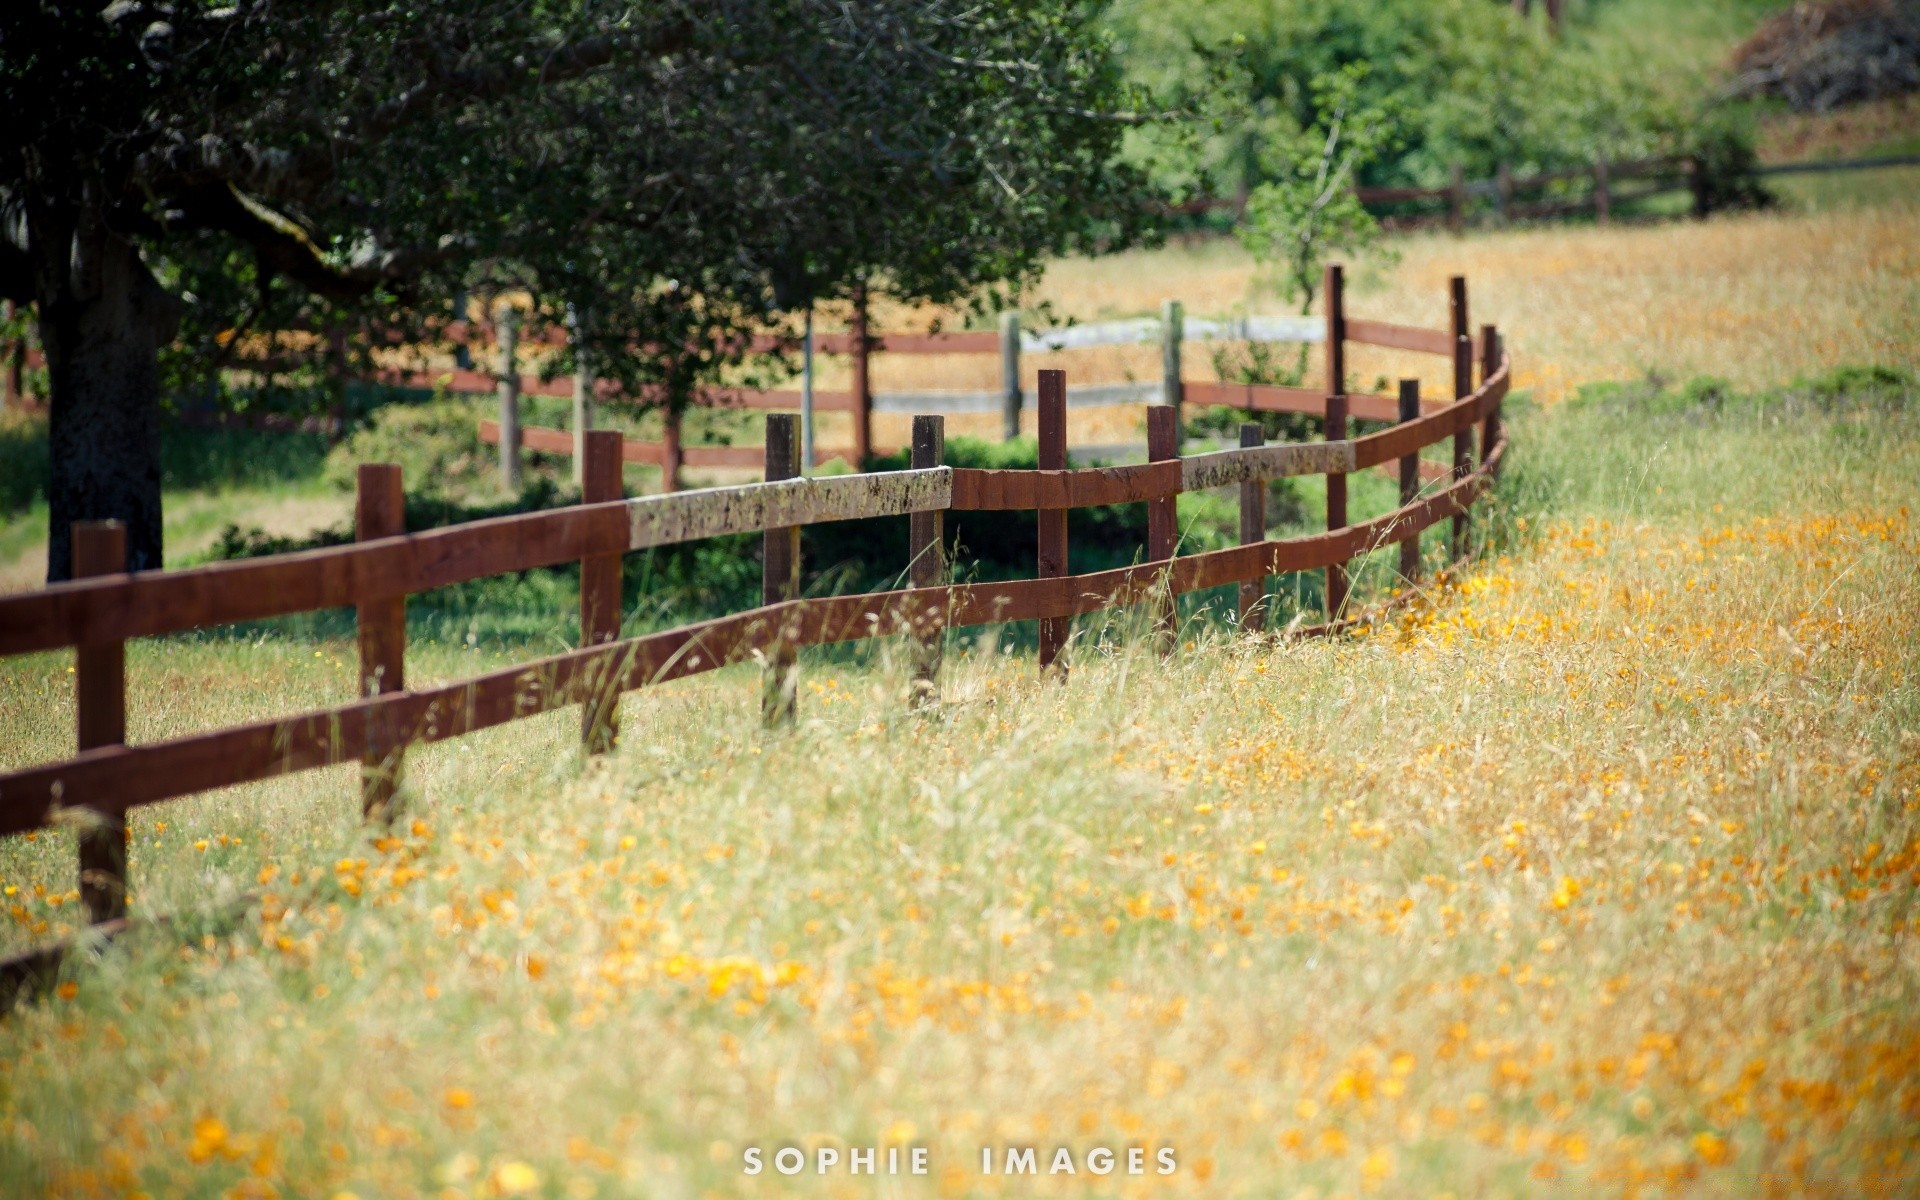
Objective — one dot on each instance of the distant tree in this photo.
(679, 171)
(1308, 212)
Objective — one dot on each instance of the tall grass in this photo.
(1596, 875)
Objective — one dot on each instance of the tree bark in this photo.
(103, 319)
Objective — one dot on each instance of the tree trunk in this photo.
(103, 319)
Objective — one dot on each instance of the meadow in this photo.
(1591, 872)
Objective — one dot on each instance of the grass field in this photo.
(1595, 877)
(1593, 874)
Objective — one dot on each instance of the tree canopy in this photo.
(677, 173)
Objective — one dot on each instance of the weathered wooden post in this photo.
(582, 401)
(1410, 480)
(926, 541)
(380, 510)
(100, 698)
(1490, 356)
(1010, 375)
(1462, 387)
(1457, 199)
(1053, 521)
(600, 599)
(1602, 193)
(862, 381)
(506, 325)
(807, 456)
(670, 453)
(1503, 189)
(1253, 529)
(1163, 530)
(1336, 426)
(1172, 332)
(780, 576)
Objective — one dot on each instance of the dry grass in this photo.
(1758, 299)
(1597, 877)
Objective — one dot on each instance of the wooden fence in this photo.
(103, 606)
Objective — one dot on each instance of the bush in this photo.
(437, 445)
(23, 461)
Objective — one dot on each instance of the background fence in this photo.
(103, 606)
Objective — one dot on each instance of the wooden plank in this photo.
(1399, 337)
(1261, 397)
(752, 508)
(1390, 444)
(1223, 468)
(780, 574)
(156, 602)
(100, 703)
(926, 543)
(380, 621)
(1053, 521)
(600, 600)
(976, 490)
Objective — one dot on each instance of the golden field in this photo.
(1592, 874)
(1757, 299)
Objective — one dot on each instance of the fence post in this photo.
(1010, 374)
(1163, 528)
(600, 599)
(582, 403)
(1053, 521)
(927, 543)
(1410, 480)
(1503, 189)
(1253, 529)
(1462, 387)
(380, 511)
(1172, 333)
(1602, 193)
(780, 576)
(100, 696)
(862, 381)
(506, 326)
(670, 450)
(1336, 426)
(1489, 363)
(1457, 199)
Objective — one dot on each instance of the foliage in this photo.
(23, 460)
(1308, 213)
(437, 446)
(1479, 86)
(675, 176)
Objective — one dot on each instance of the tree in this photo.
(1309, 211)
(669, 168)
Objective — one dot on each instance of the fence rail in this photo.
(99, 611)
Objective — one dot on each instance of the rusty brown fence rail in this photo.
(102, 607)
